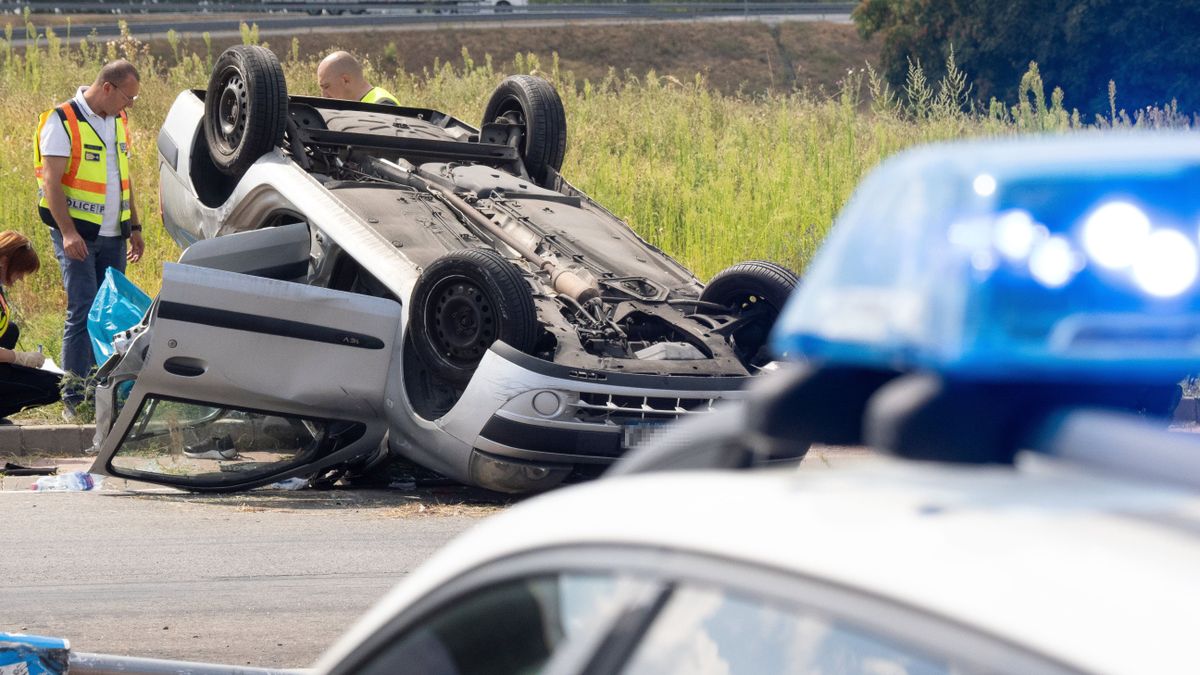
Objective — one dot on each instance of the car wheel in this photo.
(465, 301)
(533, 104)
(503, 7)
(755, 292)
(245, 108)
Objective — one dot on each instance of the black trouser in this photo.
(22, 388)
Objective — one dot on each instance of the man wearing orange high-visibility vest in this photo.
(85, 196)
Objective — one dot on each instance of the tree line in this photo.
(1150, 49)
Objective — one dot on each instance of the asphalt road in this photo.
(264, 579)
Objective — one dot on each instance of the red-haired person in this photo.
(22, 383)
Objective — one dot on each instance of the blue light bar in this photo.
(1045, 257)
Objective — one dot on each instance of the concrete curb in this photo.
(46, 440)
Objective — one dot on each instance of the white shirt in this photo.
(55, 142)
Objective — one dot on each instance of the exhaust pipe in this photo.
(563, 281)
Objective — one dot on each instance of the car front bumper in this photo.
(524, 424)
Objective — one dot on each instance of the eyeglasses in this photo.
(129, 98)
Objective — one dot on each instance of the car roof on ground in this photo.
(1094, 572)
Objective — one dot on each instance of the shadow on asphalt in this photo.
(456, 500)
(400, 490)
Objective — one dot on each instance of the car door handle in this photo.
(185, 366)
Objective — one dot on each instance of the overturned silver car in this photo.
(363, 280)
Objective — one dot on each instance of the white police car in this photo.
(989, 305)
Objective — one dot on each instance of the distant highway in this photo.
(191, 25)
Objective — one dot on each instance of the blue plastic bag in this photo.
(119, 305)
(34, 654)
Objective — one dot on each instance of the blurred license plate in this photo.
(635, 434)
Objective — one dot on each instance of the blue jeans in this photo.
(81, 279)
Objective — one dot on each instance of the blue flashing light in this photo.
(1052, 257)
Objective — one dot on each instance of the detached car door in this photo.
(246, 380)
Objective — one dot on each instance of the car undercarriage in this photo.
(539, 335)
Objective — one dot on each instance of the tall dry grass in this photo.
(710, 178)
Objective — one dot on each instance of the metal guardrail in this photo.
(617, 8)
(106, 664)
(204, 19)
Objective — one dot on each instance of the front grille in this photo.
(618, 409)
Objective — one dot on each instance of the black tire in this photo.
(534, 104)
(503, 7)
(465, 301)
(245, 108)
(755, 290)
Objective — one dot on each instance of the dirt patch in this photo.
(440, 502)
(433, 508)
(750, 57)
(821, 53)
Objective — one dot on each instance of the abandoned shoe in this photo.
(217, 447)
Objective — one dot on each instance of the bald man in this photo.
(340, 75)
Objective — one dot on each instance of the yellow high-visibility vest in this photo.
(379, 95)
(3, 314)
(85, 181)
